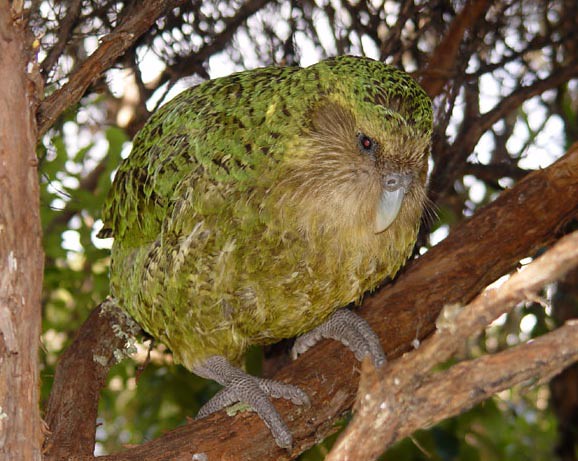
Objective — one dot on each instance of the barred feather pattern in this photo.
(244, 212)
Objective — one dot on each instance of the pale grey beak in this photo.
(395, 185)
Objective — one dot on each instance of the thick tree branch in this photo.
(477, 252)
(20, 246)
(112, 46)
(563, 395)
(404, 396)
(72, 409)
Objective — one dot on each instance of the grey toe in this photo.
(348, 328)
(255, 392)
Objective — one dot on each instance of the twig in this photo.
(495, 171)
(112, 46)
(88, 183)
(452, 162)
(64, 31)
(190, 64)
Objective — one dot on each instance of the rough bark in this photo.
(564, 387)
(477, 252)
(72, 418)
(406, 395)
(21, 257)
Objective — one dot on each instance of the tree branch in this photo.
(21, 258)
(112, 46)
(404, 396)
(66, 26)
(453, 161)
(492, 172)
(392, 42)
(81, 374)
(523, 93)
(441, 64)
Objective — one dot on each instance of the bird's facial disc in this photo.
(395, 186)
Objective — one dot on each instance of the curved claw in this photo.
(348, 328)
(255, 392)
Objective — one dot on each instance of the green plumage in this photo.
(244, 213)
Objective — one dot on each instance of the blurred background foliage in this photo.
(508, 106)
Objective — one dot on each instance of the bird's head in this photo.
(360, 165)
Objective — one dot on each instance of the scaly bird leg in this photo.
(242, 387)
(348, 328)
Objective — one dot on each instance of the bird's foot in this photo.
(255, 392)
(348, 328)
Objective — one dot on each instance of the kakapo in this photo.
(256, 206)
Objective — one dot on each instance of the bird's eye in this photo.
(366, 144)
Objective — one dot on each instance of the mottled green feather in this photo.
(242, 215)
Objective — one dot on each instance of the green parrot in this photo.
(256, 206)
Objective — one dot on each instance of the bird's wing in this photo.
(218, 131)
